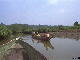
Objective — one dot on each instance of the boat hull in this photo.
(41, 38)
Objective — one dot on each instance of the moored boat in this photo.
(41, 36)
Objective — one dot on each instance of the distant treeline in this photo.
(8, 30)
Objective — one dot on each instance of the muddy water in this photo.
(58, 48)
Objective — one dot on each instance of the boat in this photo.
(41, 36)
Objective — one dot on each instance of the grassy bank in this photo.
(5, 33)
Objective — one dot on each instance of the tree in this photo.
(2, 23)
(4, 32)
(76, 23)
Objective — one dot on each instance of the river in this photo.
(57, 48)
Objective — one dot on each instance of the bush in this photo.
(4, 32)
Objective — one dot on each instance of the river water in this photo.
(57, 48)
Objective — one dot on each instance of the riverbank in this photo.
(63, 34)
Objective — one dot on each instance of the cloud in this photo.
(53, 1)
(59, 1)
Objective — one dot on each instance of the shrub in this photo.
(4, 32)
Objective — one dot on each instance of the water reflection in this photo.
(62, 45)
(46, 44)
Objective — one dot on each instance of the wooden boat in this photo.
(41, 36)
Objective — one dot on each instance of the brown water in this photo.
(58, 48)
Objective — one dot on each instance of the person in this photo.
(37, 34)
(47, 35)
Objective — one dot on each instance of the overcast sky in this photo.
(46, 12)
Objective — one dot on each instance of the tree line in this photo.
(8, 30)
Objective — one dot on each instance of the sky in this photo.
(44, 12)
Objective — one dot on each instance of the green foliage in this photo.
(28, 29)
(76, 23)
(16, 28)
(4, 32)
